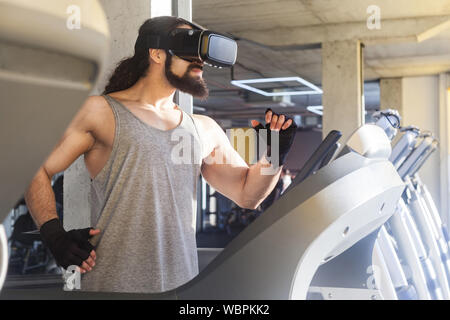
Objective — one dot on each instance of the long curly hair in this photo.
(131, 69)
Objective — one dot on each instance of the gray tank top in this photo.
(144, 203)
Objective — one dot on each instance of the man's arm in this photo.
(246, 186)
(40, 198)
(76, 141)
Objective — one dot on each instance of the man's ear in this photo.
(156, 55)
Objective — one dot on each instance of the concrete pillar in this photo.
(391, 94)
(183, 9)
(124, 19)
(342, 85)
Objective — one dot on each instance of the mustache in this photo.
(195, 66)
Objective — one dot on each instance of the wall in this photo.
(421, 108)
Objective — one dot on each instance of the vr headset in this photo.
(198, 44)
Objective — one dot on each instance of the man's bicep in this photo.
(76, 140)
(225, 171)
(70, 147)
(225, 156)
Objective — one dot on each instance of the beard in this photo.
(195, 86)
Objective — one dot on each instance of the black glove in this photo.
(68, 248)
(286, 137)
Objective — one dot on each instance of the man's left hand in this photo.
(286, 128)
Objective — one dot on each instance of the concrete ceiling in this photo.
(282, 38)
(257, 15)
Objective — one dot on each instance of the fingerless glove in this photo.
(68, 248)
(286, 138)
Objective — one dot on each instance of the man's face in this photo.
(186, 76)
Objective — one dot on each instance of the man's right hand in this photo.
(69, 247)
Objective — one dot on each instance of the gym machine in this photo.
(413, 255)
(57, 68)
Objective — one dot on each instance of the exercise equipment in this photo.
(415, 229)
(321, 157)
(56, 65)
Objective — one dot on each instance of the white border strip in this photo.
(3, 256)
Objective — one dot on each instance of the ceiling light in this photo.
(315, 109)
(319, 110)
(244, 84)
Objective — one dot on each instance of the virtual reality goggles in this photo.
(212, 48)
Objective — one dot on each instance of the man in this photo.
(143, 198)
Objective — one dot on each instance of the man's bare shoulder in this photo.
(95, 104)
(211, 130)
(206, 123)
(95, 111)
